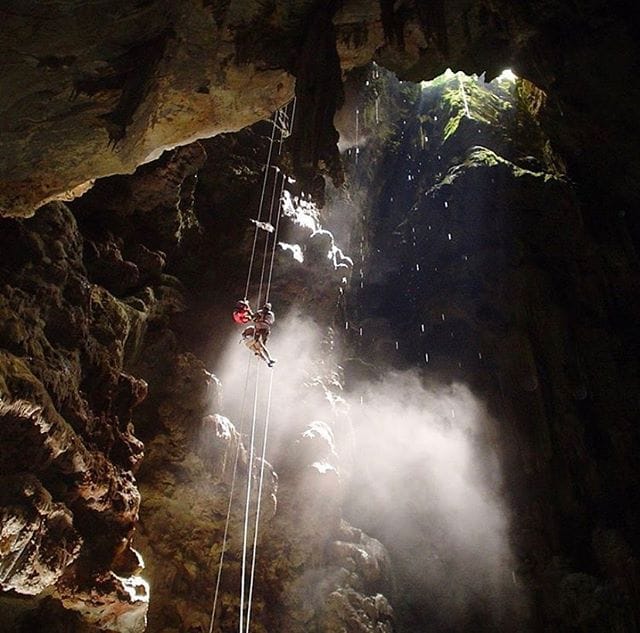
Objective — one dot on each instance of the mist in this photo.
(424, 478)
(427, 483)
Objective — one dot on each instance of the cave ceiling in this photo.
(89, 91)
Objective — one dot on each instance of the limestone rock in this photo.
(108, 602)
(37, 536)
(153, 77)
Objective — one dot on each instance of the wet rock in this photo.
(37, 536)
(107, 601)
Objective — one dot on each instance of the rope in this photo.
(271, 207)
(275, 234)
(268, 410)
(264, 188)
(259, 501)
(275, 242)
(255, 401)
(248, 502)
(233, 483)
(266, 242)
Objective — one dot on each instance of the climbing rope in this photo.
(259, 502)
(264, 188)
(277, 228)
(231, 493)
(245, 530)
(277, 119)
(266, 242)
(283, 135)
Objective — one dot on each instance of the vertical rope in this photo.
(231, 493)
(264, 188)
(248, 502)
(259, 502)
(275, 241)
(275, 235)
(266, 239)
(255, 404)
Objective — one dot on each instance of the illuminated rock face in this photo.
(106, 91)
(68, 450)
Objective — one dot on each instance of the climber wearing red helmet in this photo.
(242, 312)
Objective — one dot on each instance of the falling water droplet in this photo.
(480, 355)
(418, 267)
(426, 357)
(346, 325)
(449, 236)
(442, 315)
(453, 413)
(422, 327)
(396, 344)
(446, 204)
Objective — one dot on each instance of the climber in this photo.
(242, 312)
(249, 339)
(264, 319)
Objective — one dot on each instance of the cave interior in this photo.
(440, 200)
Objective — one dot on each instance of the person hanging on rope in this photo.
(264, 318)
(242, 312)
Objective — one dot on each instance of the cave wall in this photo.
(314, 569)
(96, 93)
(479, 267)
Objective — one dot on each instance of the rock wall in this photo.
(478, 267)
(68, 446)
(72, 401)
